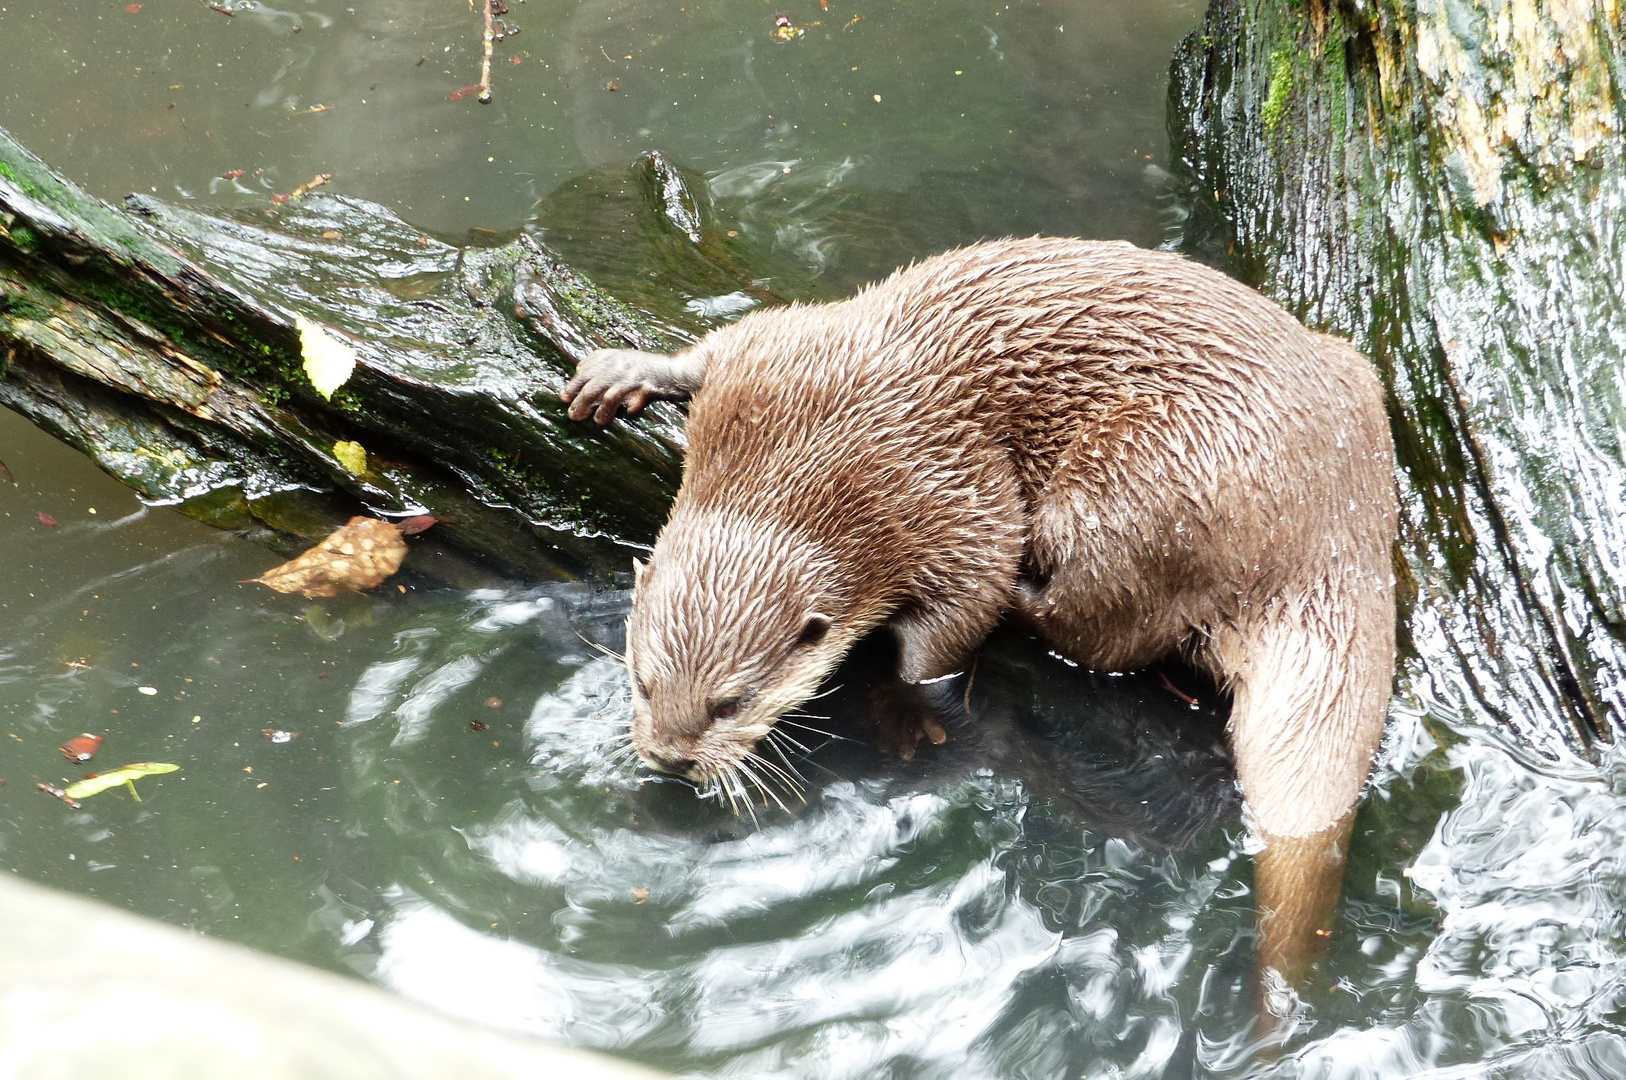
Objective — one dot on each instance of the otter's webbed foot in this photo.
(611, 379)
(904, 717)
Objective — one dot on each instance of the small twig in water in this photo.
(303, 189)
(1176, 691)
(605, 649)
(483, 87)
(969, 680)
(485, 62)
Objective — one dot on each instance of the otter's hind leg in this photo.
(1309, 697)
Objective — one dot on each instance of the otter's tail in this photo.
(1310, 688)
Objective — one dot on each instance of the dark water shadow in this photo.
(1127, 756)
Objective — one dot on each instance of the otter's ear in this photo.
(813, 630)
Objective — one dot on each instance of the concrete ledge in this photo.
(89, 992)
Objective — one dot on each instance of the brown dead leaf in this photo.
(80, 748)
(356, 557)
(412, 526)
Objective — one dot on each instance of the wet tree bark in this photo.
(1444, 183)
(162, 343)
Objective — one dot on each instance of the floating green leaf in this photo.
(352, 455)
(328, 361)
(95, 785)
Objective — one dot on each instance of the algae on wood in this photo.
(1445, 183)
(163, 343)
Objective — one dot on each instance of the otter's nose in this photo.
(676, 766)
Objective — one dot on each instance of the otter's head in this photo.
(734, 621)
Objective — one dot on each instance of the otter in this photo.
(1130, 452)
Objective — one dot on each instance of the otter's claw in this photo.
(904, 718)
(625, 379)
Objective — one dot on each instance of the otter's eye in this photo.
(813, 631)
(726, 710)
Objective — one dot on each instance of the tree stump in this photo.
(1444, 183)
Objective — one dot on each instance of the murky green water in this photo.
(1061, 890)
(967, 118)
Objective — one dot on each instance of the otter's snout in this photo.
(670, 762)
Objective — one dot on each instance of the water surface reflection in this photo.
(1061, 889)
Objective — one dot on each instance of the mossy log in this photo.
(162, 342)
(1445, 183)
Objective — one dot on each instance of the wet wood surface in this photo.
(1444, 184)
(162, 342)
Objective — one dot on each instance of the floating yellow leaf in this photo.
(352, 455)
(356, 557)
(99, 783)
(328, 361)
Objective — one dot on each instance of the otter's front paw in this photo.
(904, 718)
(612, 379)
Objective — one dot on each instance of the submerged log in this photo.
(162, 342)
(1445, 184)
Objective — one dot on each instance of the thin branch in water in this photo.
(484, 85)
(485, 62)
(605, 649)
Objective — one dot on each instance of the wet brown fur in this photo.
(1131, 451)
